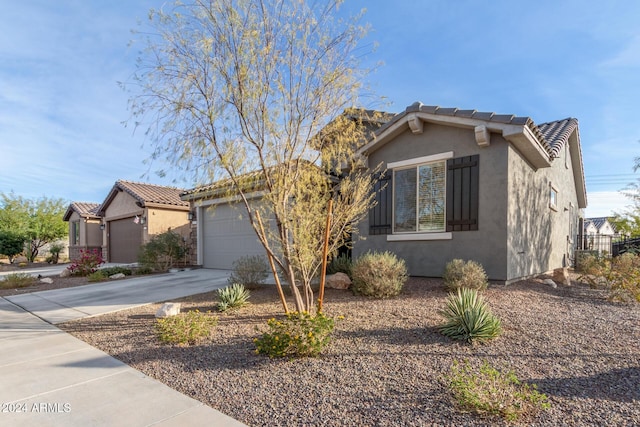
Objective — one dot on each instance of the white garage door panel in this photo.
(227, 236)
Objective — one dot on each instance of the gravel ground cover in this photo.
(387, 363)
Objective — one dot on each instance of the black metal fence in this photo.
(604, 245)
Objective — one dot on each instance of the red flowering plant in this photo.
(88, 263)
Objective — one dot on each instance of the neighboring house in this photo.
(497, 189)
(134, 212)
(598, 234)
(84, 228)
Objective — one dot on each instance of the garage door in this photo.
(227, 236)
(125, 239)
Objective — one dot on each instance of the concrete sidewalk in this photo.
(50, 378)
(61, 305)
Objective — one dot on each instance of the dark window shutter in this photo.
(380, 216)
(462, 193)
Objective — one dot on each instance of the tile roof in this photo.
(556, 134)
(598, 222)
(150, 193)
(84, 209)
(552, 135)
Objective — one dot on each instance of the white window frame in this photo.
(417, 235)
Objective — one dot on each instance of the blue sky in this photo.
(61, 109)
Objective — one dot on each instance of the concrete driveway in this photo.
(50, 378)
(61, 305)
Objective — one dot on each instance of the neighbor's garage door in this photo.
(125, 239)
(227, 236)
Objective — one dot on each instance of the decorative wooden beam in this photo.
(483, 136)
(415, 124)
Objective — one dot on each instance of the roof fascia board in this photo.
(527, 144)
(166, 206)
(519, 135)
(228, 199)
(578, 171)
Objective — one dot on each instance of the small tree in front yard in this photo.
(244, 91)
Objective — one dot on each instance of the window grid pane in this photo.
(431, 199)
(405, 200)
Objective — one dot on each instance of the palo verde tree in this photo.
(255, 95)
(37, 221)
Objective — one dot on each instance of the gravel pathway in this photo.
(386, 364)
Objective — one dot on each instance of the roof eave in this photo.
(520, 136)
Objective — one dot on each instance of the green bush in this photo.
(620, 275)
(340, 264)
(487, 391)
(250, 271)
(297, 335)
(110, 271)
(379, 275)
(233, 296)
(143, 270)
(17, 280)
(189, 328)
(11, 244)
(96, 276)
(162, 252)
(469, 317)
(464, 274)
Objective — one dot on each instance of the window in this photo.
(427, 198)
(419, 198)
(553, 197)
(76, 233)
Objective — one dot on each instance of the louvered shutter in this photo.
(380, 216)
(462, 193)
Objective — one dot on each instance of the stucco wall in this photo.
(487, 245)
(540, 239)
(123, 205)
(161, 220)
(90, 235)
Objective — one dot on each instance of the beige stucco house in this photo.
(84, 228)
(134, 212)
(498, 189)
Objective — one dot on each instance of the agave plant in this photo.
(232, 297)
(469, 317)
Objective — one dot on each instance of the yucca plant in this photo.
(469, 318)
(232, 297)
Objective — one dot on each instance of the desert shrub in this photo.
(487, 391)
(96, 276)
(88, 263)
(469, 317)
(54, 251)
(22, 264)
(11, 244)
(340, 264)
(110, 271)
(378, 274)
(620, 275)
(142, 270)
(250, 271)
(233, 296)
(162, 251)
(297, 335)
(464, 274)
(17, 280)
(188, 328)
